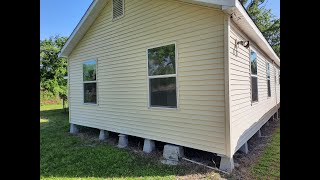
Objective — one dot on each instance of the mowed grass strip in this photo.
(268, 164)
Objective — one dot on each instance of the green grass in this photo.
(73, 157)
(268, 164)
(64, 156)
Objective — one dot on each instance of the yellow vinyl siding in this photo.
(120, 49)
(247, 118)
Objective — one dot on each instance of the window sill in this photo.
(163, 108)
(254, 103)
(90, 104)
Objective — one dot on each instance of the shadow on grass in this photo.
(66, 156)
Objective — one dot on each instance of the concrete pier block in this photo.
(172, 153)
(123, 141)
(244, 148)
(275, 116)
(73, 129)
(258, 133)
(103, 135)
(148, 146)
(267, 123)
(271, 118)
(226, 164)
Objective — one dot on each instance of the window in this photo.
(268, 79)
(254, 76)
(89, 82)
(162, 76)
(117, 9)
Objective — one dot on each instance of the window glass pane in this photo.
(89, 70)
(253, 60)
(269, 89)
(161, 60)
(254, 88)
(163, 92)
(90, 92)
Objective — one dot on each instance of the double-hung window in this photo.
(162, 76)
(90, 82)
(268, 79)
(254, 76)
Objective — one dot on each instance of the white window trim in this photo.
(279, 76)
(253, 75)
(114, 19)
(268, 79)
(163, 76)
(84, 82)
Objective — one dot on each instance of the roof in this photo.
(243, 21)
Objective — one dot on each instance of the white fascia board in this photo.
(245, 23)
(212, 2)
(80, 29)
(248, 20)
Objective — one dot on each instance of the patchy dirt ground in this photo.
(242, 161)
(256, 146)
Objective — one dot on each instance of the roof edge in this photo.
(248, 21)
(76, 29)
(254, 26)
(227, 6)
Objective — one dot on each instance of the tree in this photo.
(267, 23)
(52, 68)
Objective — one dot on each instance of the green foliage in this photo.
(268, 24)
(47, 97)
(52, 68)
(162, 60)
(89, 71)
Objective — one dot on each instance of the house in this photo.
(193, 73)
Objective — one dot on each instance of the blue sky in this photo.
(60, 17)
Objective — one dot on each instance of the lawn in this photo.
(268, 164)
(64, 156)
(70, 157)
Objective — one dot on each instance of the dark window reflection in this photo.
(163, 92)
(269, 89)
(254, 88)
(253, 60)
(161, 60)
(90, 92)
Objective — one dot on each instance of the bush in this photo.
(47, 97)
